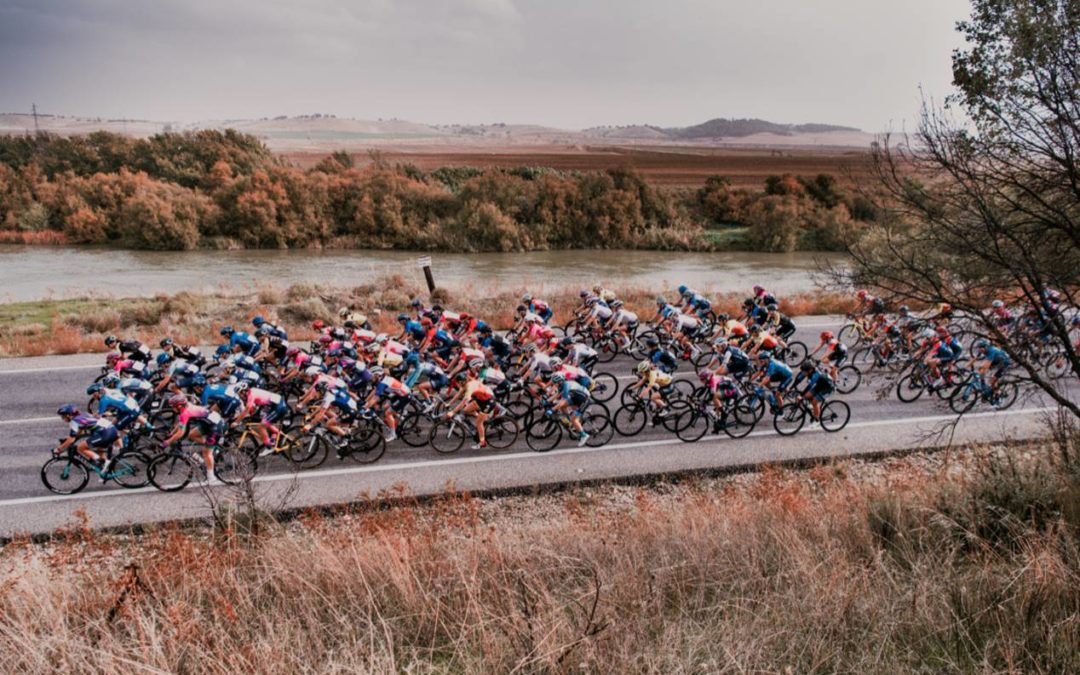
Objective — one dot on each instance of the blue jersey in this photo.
(246, 342)
(777, 371)
(118, 401)
(997, 356)
(222, 394)
(416, 330)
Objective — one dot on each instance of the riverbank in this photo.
(946, 562)
(79, 325)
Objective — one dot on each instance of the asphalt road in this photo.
(31, 389)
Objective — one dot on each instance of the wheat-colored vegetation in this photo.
(923, 564)
(225, 189)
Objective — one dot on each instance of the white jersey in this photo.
(625, 317)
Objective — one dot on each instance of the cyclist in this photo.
(944, 350)
(762, 341)
(834, 353)
(660, 357)
(778, 323)
(333, 397)
(94, 437)
(776, 376)
(272, 329)
(762, 297)
(733, 361)
(389, 395)
(538, 307)
(572, 399)
(987, 357)
(730, 329)
(240, 341)
(577, 353)
(755, 313)
(623, 322)
(123, 408)
(187, 353)
(426, 379)
(412, 331)
(131, 349)
(653, 385)
(819, 386)
(220, 396)
(476, 400)
(135, 387)
(197, 424)
(271, 409)
(721, 388)
(495, 346)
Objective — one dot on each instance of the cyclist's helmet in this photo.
(343, 312)
(402, 317)
(904, 310)
(807, 365)
(476, 364)
(416, 303)
(723, 317)
(660, 301)
(758, 289)
(616, 304)
(772, 307)
(981, 344)
(177, 401)
(763, 356)
(583, 293)
(111, 381)
(485, 329)
(704, 374)
(292, 351)
(521, 309)
(338, 334)
(997, 304)
(721, 345)
(164, 358)
(226, 331)
(946, 307)
(262, 332)
(862, 294)
(318, 324)
(566, 341)
(554, 362)
(258, 321)
(68, 410)
(941, 330)
(1076, 320)
(320, 386)
(652, 343)
(438, 309)
(644, 367)
(376, 371)
(312, 371)
(166, 342)
(333, 353)
(110, 340)
(558, 378)
(755, 328)
(683, 289)
(95, 388)
(826, 335)
(198, 381)
(527, 298)
(325, 339)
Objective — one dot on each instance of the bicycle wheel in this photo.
(848, 379)
(307, 452)
(964, 398)
(599, 428)
(543, 434)
(447, 436)
(795, 353)
(674, 411)
(909, 388)
(521, 410)
(129, 469)
(630, 420)
(415, 429)
(864, 357)
(629, 396)
(64, 475)
(738, 421)
(693, 427)
(790, 419)
(606, 349)
(501, 432)
(234, 466)
(835, 416)
(366, 445)
(750, 409)
(604, 387)
(171, 471)
(682, 389)
(850, 335)
(1006, 395)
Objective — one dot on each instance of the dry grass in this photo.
(779, 572)
(80, 325)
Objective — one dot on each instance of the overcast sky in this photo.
(568, 63)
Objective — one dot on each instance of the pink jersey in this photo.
(192, 412)
(260, 397)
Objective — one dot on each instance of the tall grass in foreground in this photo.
(803, 572)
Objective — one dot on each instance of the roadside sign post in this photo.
(425, 264)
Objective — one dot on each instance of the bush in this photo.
(306, 310)
(774, 224)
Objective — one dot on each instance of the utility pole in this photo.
(33, 107)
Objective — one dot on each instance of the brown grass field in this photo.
(922, 564)
(666, 166)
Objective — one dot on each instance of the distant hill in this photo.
(320, 131)
(730, 128)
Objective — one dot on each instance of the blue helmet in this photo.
(981, 344)
(682, 290)
(163, 358)
(198, 380)
(68, 409)
(227, 331)
(94, 388)
(222, 350)
(258, 321)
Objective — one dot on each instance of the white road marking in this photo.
(30, 420)
(376, 468)
(49, 369)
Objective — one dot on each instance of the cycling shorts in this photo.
(103, 438)
(273, 412)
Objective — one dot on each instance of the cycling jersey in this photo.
(576, 374)
(223, 396)
(248, 344)
(575, 394)
(724, 386)
(272, 406)
(736, 361)
(624, 317)
(430, 372)
(665, 360)
(658, 379)
(391, 386)
(415, 330)
(126, 408)
(687, 324)
(542, 309)
(779, 372)
(733, 328)
(601, 311)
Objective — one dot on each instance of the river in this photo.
(40, 272)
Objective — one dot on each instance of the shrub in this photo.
(774, 224)
(306, 310)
